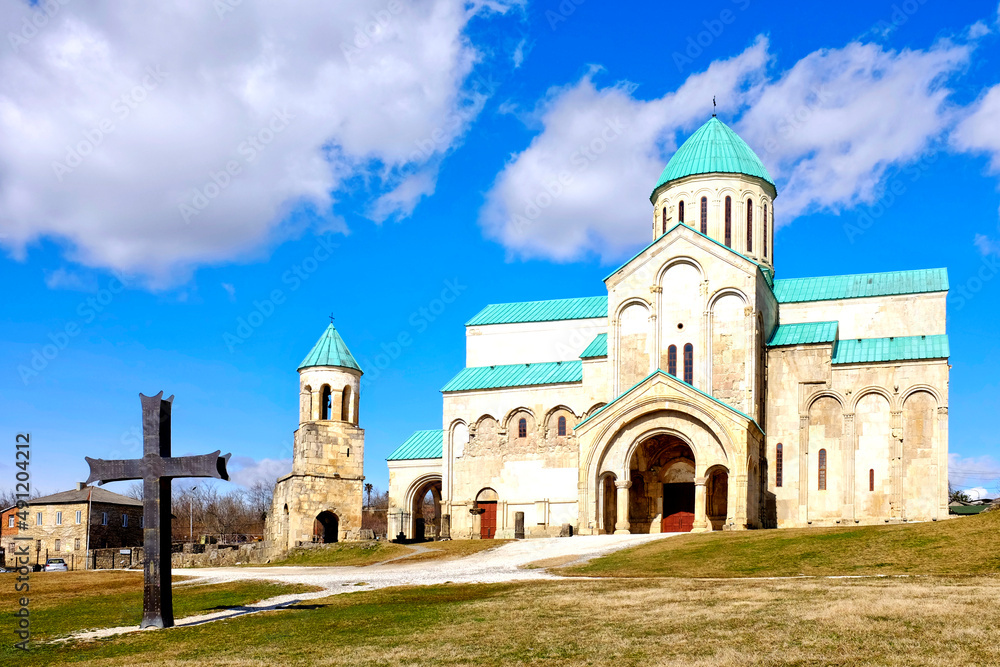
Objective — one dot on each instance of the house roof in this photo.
(804, 333)
(897, 348)
(713, 148)
(330, 350)
(515, 375)
(792, 290)
(967, 509)
(580, 308)
(664, 373)
(83, 495)
(427, 444)
(597, 348)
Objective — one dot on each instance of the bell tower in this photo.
(321, 499)
(716, 185)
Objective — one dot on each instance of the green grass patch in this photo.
(967, 546)
(343, 554)
(63, 603)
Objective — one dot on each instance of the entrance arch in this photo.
(662, 493)
(326, 528)
(608, 512)
(424, 505)
(486, 503)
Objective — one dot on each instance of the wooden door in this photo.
(488, 520)
(678, 507)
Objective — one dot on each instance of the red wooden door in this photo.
(678, 508)
(488, 520)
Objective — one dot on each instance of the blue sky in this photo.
(152, 198)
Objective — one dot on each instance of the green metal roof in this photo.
(420, 445)
(675, 379)
(516, 375)
(713, 148)
(804, 333)
(542, 311)
(898, 348)
(330, 350)
(791, 290)
(597, 348)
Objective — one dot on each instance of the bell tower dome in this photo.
(717, 185)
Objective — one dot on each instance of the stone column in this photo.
(849, 446)
(622, 527)
(701, 524)
(315, 405)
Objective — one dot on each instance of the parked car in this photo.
(56, 565)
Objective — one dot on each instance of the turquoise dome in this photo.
(713, 148)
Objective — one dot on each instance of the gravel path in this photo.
(486, 567)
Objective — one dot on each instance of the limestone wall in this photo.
(530, 342)
(875, 317)
(883, 428)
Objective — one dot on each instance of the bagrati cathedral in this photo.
(700, 393)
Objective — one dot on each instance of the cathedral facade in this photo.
(698, 392)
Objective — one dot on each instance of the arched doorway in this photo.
(609, 500)
(716, 496)
(661, 496)
(425, 510)
(326, 528)
(486, 503)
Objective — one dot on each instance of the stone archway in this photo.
(662, 489)
(609, 506)
(326, 528)
(425, 509)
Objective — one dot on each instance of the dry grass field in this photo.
(885, 621)
(920, 594)
(359, 554)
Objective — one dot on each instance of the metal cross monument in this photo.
(156, 468)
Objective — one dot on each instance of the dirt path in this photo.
(502, 564)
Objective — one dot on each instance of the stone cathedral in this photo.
(696, 392)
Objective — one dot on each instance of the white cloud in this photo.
(245, 470)
(977, 30)
(63, 278)
(162, 97)
(585, 179)
(230, 290)
(828, 129)
(401, 201)
(977, 131)
(977, 493)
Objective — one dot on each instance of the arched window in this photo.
(522, 428)
(664, 221)
(822, 470)
(345, 405)
(871, 479)
(749, 225)
(765, 229)
(680, 212)
(779, 464)
(672, 360)
(562, 426)
(689, 363)
(729, 222)
(704, 215)
(324, 402)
